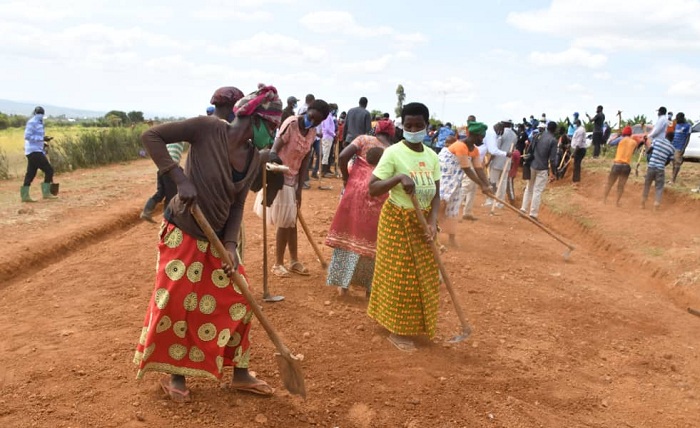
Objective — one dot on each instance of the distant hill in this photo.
(15, 107)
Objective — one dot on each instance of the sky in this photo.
(497, 60)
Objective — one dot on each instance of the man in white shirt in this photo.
(578, 145)
(493, 143)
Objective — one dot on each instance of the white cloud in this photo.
(452, 87)
(232, 15)
(273, 46)
(685, 88)
(376, 65)
(640, 25)
(569, 57)
(342, 22)
(603, 75)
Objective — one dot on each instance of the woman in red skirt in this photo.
(197, 320)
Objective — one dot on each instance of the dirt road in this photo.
(601, 341)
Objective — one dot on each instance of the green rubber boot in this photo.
(46, 191)
(24, 192)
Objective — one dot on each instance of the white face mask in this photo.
(415, 137)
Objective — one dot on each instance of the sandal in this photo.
(280, 271)
(401, 344)
(260, 388)
(299, 269)
(177, 395)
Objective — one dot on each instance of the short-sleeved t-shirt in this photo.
(460, 149)
(423, 167)
(296, 147)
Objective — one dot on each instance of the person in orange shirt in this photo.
(460, 158)
(621, 167)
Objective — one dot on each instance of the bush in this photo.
(89, 149)
(4, 165)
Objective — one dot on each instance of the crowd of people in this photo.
(198, 322)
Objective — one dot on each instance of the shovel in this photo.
(276, 168)
(288, 364)
(466, 330)
(569, 247)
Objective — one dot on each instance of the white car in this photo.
(692, 150)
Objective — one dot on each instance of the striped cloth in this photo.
(175, 151)
(662, 153)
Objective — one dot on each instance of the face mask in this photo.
(307, 122)
(230, 117)
(40, 116)
(415, 137)
(261, 136)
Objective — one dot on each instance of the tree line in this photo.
(113, 118)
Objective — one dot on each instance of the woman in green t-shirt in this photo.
(404, 296)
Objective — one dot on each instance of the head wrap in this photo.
(477, 128)
(386, 127)
(264, 102)
(226, 95)
(627, 130)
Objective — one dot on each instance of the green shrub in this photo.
(4, 165)
(103, 147)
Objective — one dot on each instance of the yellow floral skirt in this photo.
(405, 288)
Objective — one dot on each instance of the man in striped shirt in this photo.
(661, 155)
(166, 188)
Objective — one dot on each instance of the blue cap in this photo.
(576, 113)
(210, 110)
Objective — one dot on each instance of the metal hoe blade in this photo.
(272, 299)
(461, 337)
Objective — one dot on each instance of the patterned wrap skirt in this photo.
(405, 288)
(450, 183)
(197, 321)
(348, 268)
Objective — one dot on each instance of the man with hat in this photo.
(289, 110)
(621, 166)
(459, 158)
(35, 150)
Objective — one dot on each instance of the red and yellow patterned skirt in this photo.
(197, 320)
(405, 288)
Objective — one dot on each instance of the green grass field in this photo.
(12, 142)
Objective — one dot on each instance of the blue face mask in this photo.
(307, 122)
(230, 117)
(40, 117)
(415, 137)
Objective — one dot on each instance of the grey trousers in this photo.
(657, 175)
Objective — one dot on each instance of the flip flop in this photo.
(401, 346)
(259, 388)
(299, 269)
(177, 395)
(280, 271)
